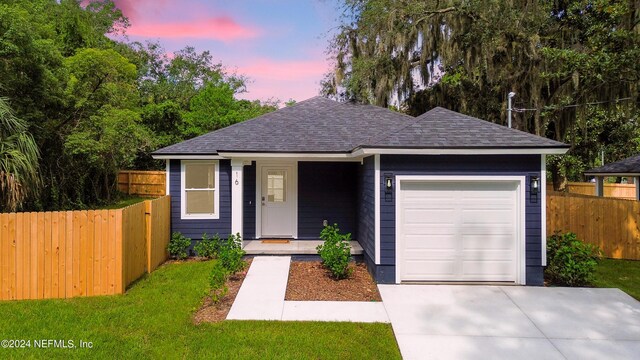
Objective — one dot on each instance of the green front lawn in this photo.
(124, 201)
(153, 320)
(622, 274)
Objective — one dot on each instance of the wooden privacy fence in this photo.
(65, 254)
(622, 191)
(611, 224)
(143, 183)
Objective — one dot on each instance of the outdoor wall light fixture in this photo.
(388, 182)
(535, 185)
(534, 188)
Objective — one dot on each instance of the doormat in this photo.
(276, 241)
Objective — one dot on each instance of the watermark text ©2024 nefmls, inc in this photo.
(44, 344)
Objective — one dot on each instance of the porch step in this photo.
(294, 247)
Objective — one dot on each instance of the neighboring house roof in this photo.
(320, 125)
(628, 166)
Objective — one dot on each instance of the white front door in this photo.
(277, 201)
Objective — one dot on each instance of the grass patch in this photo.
(154, 320)
(621, 274)
(123, 202)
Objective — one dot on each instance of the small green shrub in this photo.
(336, 251)
(570, 262)
(208, 247)
(231, 253)
(178, 246)
(218, 282)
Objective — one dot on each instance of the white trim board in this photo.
(358, 154)
(543, 209)
(274, 155)
(216, 193)
(376, 189)
(294, 191)
(188, 157)
(470, 151)
(521, 267)
(167, 177)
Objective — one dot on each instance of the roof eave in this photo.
(559, 150)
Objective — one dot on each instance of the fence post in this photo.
(147, 232)
(129, 182)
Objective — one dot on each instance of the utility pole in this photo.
(509, 109)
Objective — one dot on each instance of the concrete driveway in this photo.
(512, 322)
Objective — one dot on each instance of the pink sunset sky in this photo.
(278, 44)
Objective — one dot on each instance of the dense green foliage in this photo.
(218, 282)
(335, 251)
(208, 247)
(94, 105)
(231, 253)
(178, 246)
(18, 160)
(570, 262)
(229, 262)
(154, 320)
(468, 55)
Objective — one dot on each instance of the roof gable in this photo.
(445, 129)
(630, 165)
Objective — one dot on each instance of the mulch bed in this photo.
(216, 312)
(309, 281)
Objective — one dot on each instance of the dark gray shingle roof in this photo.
(630, 165)
(442, 128)
(320, 125)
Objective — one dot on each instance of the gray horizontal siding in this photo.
(505, 165)
(327, 191)
(366, 209)
(192, 228)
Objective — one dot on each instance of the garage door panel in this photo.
(430, 229)
(434, 242)
(458, 231)
(478, 270)
(487, 243)
(487, 217)
(427, 216)
(437, 269)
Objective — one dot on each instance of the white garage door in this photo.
(458, 231)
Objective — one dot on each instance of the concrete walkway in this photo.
(261, 297)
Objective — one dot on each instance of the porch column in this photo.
(237, 174)
(636, 180)
(599, 186)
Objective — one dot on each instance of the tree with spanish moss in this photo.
(468, 55)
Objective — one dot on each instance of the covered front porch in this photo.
(290, 247)
(292, 199)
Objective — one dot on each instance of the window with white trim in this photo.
(200, 193)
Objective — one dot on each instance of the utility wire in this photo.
(573, 105)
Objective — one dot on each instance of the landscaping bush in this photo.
(570, 262)
(231, 253)
(218, 281)
(178, 246)
(336, 251)
(208, 247)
